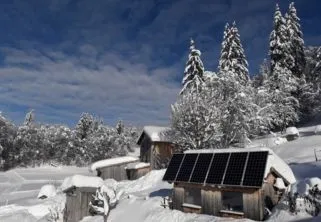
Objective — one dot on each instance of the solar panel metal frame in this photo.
(178, 154)
(263, 171)
(181, 176)
(234, 170)
(206, 172)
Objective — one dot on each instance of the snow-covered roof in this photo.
(156, 134)
(274, 162)
(81, 181)
(137, 165)
(110, 162)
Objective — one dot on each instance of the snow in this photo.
(143, 197)
(137, 165)
(292, 131)
(47, 191)
(273, 161)
(81, 181)
(317, 129)
(157, 133)
(191, 205)
(111, 162)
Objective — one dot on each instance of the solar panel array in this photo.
(234, 169)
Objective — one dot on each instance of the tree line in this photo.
(32, 143)
(218, 109)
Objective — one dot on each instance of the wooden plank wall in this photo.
(253, 206)
(211, 202)
(116, 172)
(178, 198)
(77, 206)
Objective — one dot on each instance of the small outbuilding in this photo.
(237, 183)
(79, 190)
(120, 168)
(156, 146)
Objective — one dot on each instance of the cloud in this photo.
(61, 86)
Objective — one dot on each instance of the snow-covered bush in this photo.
(47, 191)
(305, 196)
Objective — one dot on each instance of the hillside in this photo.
(142, 201)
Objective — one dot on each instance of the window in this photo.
(193, 196)
(232, 201)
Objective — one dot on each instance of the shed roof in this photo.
(111, 162)
(156, 134)
(231, 167)
(81, 181)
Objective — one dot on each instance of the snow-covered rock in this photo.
(47, 191)
(293, 131)
(110, 162)
(81, 181)
(280, 140)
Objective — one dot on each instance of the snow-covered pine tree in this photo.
(120, 127)
(193, 75)
(295, 38)
(282, 84)
(29, 118)
(226, 44)
(260, 79)
(85, 125)
(313, 64)
(233, 58)
(280, 51)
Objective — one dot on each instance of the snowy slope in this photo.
(142, 199)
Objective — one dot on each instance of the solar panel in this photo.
(235, 168)
(201, 168)
(173, 167)
(217, 169)
(186, 167)
(255, 168)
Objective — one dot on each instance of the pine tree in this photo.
(260, 79)
(295, 37)
(194, 70)
(233, 60)
(286, 106)
(280, 52)
(226, 44)
(85, 125)
(120, 127)
(30, 118)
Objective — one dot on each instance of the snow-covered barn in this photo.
(156, 146)
(116, 168)
(79, 190)
(238, 183)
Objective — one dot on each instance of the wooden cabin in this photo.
(79, 190)
(114, 168)
(156, 147)
(237, 183)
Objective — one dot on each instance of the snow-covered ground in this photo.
(143, 198)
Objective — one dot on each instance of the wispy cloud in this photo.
(62, 86)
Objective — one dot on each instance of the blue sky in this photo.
(121, 59)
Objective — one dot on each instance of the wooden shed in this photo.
(137, 170)
(237, 183)
(156, 147)
(114, 168)
(79, 190)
